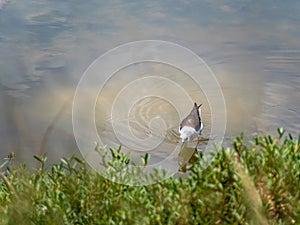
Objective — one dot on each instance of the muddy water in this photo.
(253, 50)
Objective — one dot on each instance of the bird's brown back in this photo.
(193, 118)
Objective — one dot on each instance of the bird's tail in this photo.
(198, 106)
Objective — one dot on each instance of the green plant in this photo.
(254, 182)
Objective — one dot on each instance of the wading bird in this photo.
(191, 126)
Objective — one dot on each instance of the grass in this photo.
(254, 182)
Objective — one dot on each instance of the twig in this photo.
(8, 184)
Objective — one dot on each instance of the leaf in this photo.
(145, 159)
(38, 158)
(281, 132)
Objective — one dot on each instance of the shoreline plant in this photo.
(253, 182)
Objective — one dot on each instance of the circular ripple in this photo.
(123, 116)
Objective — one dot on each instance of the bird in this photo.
(191, 126)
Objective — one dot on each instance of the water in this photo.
(45, 47)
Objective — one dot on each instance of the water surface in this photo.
(45, 47)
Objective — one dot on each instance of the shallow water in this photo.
(45, 47)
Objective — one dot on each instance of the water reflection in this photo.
(45, 46)
(140, 106)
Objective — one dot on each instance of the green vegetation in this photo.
(256, 182)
